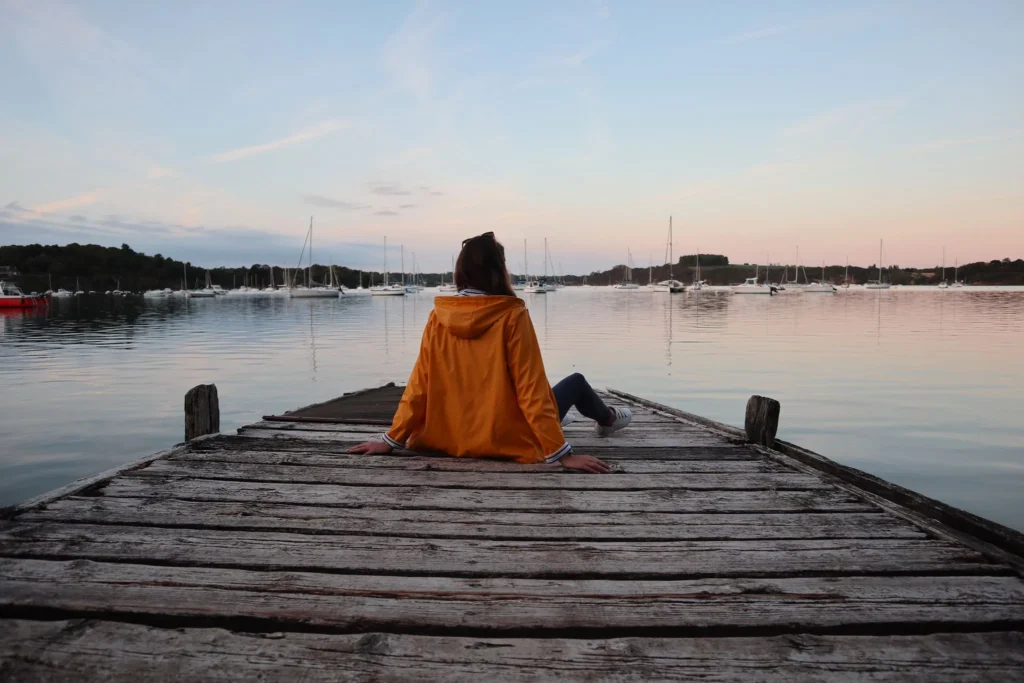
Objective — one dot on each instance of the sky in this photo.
(214, 131)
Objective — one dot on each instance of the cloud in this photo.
(328, 203)
(407, 206)
(157, 172)
(15, 206)
(311, 133)
(385, 212)
(437, 193)
(406, 52)
(389, 189)
(83, 199)
(856, 117)
(77, 218)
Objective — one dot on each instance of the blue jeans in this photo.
(574, 390)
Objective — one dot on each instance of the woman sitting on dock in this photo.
(478, 388)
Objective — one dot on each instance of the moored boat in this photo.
(11, 296)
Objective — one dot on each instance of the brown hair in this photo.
(481, 265)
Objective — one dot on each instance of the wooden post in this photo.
(202, 411)
(762, 420)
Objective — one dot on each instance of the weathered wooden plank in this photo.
(620, 526)
(636, 440)
(426, 498)
(418, 604)
(127, 653)
(621, 481)
(609, 449)
(460, 557)
(449, 464)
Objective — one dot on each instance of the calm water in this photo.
(921, 387)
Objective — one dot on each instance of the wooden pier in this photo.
(273, 555)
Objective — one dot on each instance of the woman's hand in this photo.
(585, 463)
(371, 448)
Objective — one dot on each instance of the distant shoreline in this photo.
(39, 268)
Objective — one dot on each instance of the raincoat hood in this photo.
(469, 317)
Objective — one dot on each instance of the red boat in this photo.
(12, 297)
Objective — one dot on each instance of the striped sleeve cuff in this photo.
(391, 442)
(565, 450)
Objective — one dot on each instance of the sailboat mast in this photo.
(385, 260)
(879, 261)
(545, 258)
(943, 264)
(670, 247)
(526, 261)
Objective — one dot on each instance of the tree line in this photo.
(98, 268)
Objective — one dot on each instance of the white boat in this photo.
(548, 286)
(532, 285)
(627, 275)
(943, 284)
(794, 286)
(449, 287)
(821, 287)
(62, 294)
(156, 294)
(956, 279)
(752, 286)
(698, 284)
(414, 287)
(387, 289)
(671, 285)
(313, 290)
(879, 283)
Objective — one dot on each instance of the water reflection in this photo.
(917, 386)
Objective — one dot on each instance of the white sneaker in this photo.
(568, 419)
(622, 419)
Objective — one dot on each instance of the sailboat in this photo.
(671, 285)
(821, 287)
(795, 285)
(956, 279)
(387, 289)
(414, 286)
(698, 284)
(312, 290)
(548, 286)
(450, 287)
(627, 274)
(943, 284)
(879, 283)
(532, 286)
(846, 277)
(207, 292)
